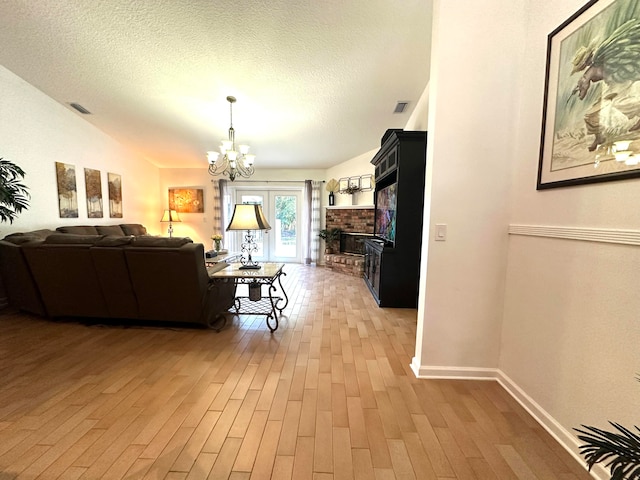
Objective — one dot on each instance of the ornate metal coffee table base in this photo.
(272, 305)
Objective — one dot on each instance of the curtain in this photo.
(311, 221)
(226, 210)
(222, 219)
(217, 209)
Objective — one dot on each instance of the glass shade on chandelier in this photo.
(230, 161)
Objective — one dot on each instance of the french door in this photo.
(283, 208)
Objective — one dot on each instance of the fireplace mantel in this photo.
(347, 207)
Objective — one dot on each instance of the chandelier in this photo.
(233, 162)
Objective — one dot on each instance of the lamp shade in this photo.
(248, 217)
(170, 216)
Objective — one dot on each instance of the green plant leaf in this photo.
(619, 450)
(14, 195)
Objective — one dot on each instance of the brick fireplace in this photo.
(352, 220)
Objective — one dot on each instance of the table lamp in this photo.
(170, 216)
(248, 217)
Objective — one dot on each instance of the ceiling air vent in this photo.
(80, 108)
(401, 107)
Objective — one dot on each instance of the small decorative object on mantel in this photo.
(366, 183)
(217, 242)
(350, 185)
(352, 188)
(332, 186)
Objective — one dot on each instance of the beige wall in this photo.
(571, 331)
(199, 226)
(354, 167)
(468, 167)
(554, 320)
(36, 132)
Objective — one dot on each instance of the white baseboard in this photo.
(454, 373)
(557, 431)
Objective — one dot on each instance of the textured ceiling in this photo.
(316, 81)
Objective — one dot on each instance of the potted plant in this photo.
(217, 241)
(618, 449)
(329, 235)
(351, 189)
(14, 196)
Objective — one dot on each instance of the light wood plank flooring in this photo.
(328, 396)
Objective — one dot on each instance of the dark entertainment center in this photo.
(392, 255)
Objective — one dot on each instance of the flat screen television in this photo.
(385, 224)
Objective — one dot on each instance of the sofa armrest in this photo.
(220, 297)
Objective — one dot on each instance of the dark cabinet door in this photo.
(372, 266)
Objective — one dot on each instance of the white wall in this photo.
(554, 320)
(472, 103)
(361, 165)
(571, 331)
(354, 167)
(419, 117)
(36, 132)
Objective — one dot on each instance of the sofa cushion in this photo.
(114, 241)
(110, 230)
(24, 237)
(78, 229)
(72, 239)
(160, 241)
(133, 229)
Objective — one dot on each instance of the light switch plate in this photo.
(441, 232)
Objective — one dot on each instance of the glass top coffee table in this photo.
(270, 305)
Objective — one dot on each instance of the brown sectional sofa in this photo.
(111, 272)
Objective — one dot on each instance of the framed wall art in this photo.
(67, 191)
(115, 195)
(186, 200)
(93, 186)
(591, 112)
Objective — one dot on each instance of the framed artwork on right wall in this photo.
(591, 111)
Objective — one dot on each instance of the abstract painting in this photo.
(67, 192)
(93, 185)
(115, 195)
(186, 200)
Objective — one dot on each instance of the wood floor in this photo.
(328, 396)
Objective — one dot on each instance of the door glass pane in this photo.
(286, 226)
(258, 235)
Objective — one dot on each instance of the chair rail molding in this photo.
(603, 235)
